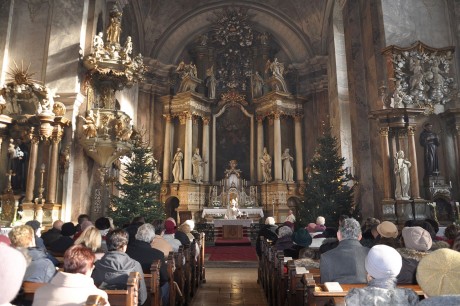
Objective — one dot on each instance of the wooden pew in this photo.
(202, 268)
(260, 267)
(28, 290)
(316, 295)
(152, 281)
(171, 265)
(95, 300)
(187, 292)
(281, 279)
(193, 269)
(179, 275)
(128, 296)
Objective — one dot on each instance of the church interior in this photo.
(232, 97)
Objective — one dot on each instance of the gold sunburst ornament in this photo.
(19, 75)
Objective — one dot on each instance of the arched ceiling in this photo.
(166, 27)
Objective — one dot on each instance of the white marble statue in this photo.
(402, 176)
(233, 211)
(197, 166)
(128, 48)
(98, 44)
(211, 83)
(177, 166)
(266, 162)
(288, 172)
(257, 85)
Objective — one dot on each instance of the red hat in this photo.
(169, 227)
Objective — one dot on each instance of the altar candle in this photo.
(456, 204)
(450, 184)
(433, 184)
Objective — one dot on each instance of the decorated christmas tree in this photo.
(139, 193)
(329, 189)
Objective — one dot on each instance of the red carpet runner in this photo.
(231, 253)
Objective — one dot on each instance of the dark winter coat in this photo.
(443, 300)
(112, 272)
(268, 232)
(410, 260)
(143, 253)
(51, 236)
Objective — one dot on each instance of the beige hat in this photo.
(438, 273)
(12, 268)
(417, 238)
(387, 229)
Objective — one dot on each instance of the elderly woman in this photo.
(41, 269)
(284, 240)
(92, 239)
(383, 264)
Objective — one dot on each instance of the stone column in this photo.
(260, 147)
(277, 147)
(298, 147)
(457, 134)
(385, 148)
(31, 169)
(415, 190)
(53, 169)
(167, 150)
(206, 149)
(188, 147)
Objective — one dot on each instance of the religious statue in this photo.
(402, 176)
(197, 164)
(156, 177)
(211, 83)
(128, 48)
(430, 141)
(89, 128)
(114, 29)
(288, 172)
(98, 44)
(177, 166)
(266, 163)
(257, 85)
(277, 70)
(233, 211)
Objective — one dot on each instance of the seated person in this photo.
(66, 240)
(330, 241)
(320, 224)
(40, 269)
(159, 242)
(92, 239)
(112, 270)
(74, 285)
(383, 264)
(103, 225)
(169, 234)
(301, 240)
(12, 268)
(36, 226)
(284, 240)
(141, 251)
(268, 231)
(52, 234)
(132, 228)
(438, 276)
(345, 263)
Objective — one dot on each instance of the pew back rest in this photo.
(129, 296)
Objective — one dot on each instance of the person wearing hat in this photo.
(345, 263)
(301, 239)
(268, 231)
(438, 274)
(12, 269)
(41, 269)
(417, 242)
(170, 230)
(65, 241)
(382, 264)
(36, 225)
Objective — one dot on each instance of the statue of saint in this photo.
(114, 30)
(98, 44)
(197, 164)
(402, 176)
(211, 83)
(128, 48)
(177, 166)
(266, 162)
(288, 172)
(430, 141)
(257, 85)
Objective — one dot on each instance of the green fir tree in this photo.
(328, 191)
(139, 195)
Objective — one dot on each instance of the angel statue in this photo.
(90, 129)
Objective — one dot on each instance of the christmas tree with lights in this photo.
(329, 188)
(139, 193)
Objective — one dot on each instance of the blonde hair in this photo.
(91, 238)
(21, 236)
(184, 227)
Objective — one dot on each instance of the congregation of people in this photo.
(374, 253)
(96, 257)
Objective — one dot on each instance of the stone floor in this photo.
(230, 286)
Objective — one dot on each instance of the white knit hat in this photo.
(383, 261)
(12, 269)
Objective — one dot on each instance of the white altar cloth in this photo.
(222, 222)
(223, 211)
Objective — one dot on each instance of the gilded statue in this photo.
(114, 29)
(89, 127)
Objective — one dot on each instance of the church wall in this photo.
(5, 28)
(407, 21)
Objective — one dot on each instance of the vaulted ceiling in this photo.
(163, 28)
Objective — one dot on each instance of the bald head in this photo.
(58, 224)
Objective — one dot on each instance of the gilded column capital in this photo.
(182, 118)
(411, 130)
(260, 119)
(277, 115)
(298, 118)
(167, 117)
(206, 120)
(384, 131)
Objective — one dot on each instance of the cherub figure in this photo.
(90, 129)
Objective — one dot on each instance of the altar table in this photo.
(238, 222)
(222, 211)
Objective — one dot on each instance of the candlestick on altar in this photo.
(450, 184)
